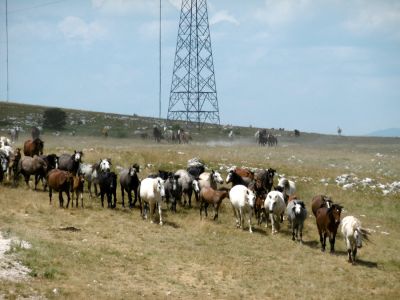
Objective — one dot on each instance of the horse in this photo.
(259, 209)
(108, 187)
(353, 234)
(78, 183)
(297, 214)
(207, 179)
(320, 201)
(157, 134)
(286, 187)
(264, 180)
(242, 199)
(244, 172)
(59, 181)
(28, 166)
(4, 164)
(189, 185)
(69, 162)
(214, 197)
(35, 133)
(129, 181)
(234, 178)
(275, 205)
(151, 193)
(33, 147)
(328, 220)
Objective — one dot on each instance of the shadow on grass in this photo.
(311, 244)
(170, 224)
(365, 263)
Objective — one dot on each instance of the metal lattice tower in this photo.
(193, 96)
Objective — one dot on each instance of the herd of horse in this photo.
(251, 193)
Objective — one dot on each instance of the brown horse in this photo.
(243, 172)
(328, 220)
(259, 209)
(210, 196)
(77, 188)
(33, 147)
(60, 181)
(320, 201)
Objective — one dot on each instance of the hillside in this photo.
(90, 123)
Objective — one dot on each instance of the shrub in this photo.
(54, 118)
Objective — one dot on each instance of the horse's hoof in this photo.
(161, 223)
(151, 222)
(293, 239)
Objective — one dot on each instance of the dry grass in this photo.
(118, 255)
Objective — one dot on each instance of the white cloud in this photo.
(223, 16)
(76, 29)
(281, 12)
(373, 17)
(176, 3)
(123, 7)
(151, 29)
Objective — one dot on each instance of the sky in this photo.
(302, 64)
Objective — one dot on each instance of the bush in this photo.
(54, 118)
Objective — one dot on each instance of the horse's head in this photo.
(105, 165)
(270, 175)
(77, 156)
(160, 187)
(251, 198)
(336, 210)
(195, 185)
(229, 177)
(136, 167)
(358, 237)
(298, 207)
(217, 177)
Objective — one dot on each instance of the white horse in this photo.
(353, 234)
(274, 204)
(287, 187)
(242, 200)
(207, 179)
(90, 174)
(151, 193)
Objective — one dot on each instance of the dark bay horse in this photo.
(328, 220)
(33, 147)
(320, 201)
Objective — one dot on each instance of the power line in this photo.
(36, 6)
(7, 47)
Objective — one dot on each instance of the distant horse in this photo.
(214, 197)
(35, 133)
(157, 135)
(328, 220)
(33, 147)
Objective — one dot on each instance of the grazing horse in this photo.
(328, 220)
(189, 185)
(214, 197)
(207, 179)
(151, 193)
(242, 199)
(69, 162)
(129, 181)
(353, 234)
(236, 179)
(33, 147)
(28, 166)
(275, 205)
(60, 181)
(320, 201)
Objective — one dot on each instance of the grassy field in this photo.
(118, 255)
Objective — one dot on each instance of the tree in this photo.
(54, 118)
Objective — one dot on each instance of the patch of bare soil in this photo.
(10, 268)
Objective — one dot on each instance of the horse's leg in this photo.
(50, 194)
(332, 242)
(152, 208)
(241, 217)
(216, 208)
(250, 213)
(61, 199)
(201, 208)
(205, 208)
(135, 190)
(272, 219)
(102, 198)
(36, 180)
(293, 232)
(236, 217)
(354, 254)
(123, 196)
(321, 239)
(160, 212)
(130, 198)
(89, 185)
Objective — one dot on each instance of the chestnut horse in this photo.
(328, 220)
(33, 147)
(214, 197)
(60, 181)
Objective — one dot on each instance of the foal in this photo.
(210, 196)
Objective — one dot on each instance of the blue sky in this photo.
(305, 64)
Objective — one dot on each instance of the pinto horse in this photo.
(328, 220)
(214, 197)
(33, 147)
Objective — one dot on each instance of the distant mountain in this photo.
(389, 132)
